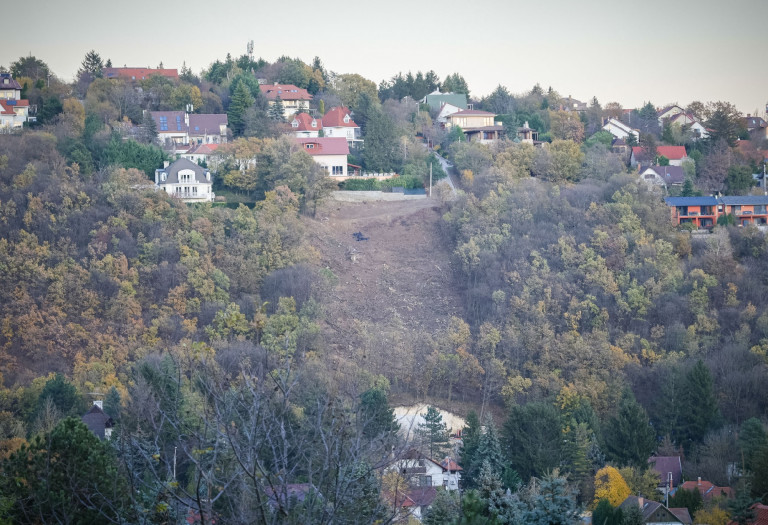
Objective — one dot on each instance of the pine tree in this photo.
(433, 433)
(241, 101)
(629, 437)
(699, 404)
(148, 128)
(444, 509)
(277, 110)
(91, 64)
(470, 440)
(112, 404)
(376, 417)
(688, 189)
(741, 506)
(489, 449)
(109, 63)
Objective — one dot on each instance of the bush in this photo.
(405, 181)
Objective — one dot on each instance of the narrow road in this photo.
(448, 169)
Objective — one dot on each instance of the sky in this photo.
(662, 51)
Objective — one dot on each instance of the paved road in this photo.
(447, 168)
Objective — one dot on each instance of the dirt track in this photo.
(403, 267)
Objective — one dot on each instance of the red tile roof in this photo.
(284, 91)
(450, 465)
(761, 515)
(335, 118)
(707, 489)
(138, 73)
(7, 109)
(324, 145)
(305, 122)
(671, 152)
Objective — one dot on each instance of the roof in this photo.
(691, 201)
(648, 506)
(450, 465)
(619, 124)
(707, 489)
(97, 421)
(682, 514)
(324, 145)
(744, 200)
(471, 112)
(206, 123)
(761, 515)
(754, 122)
(438, 100)
(173, 170)
(334, 118)
(203, 149)
(174, 119)
(304, 121)
(420, 497)
(284, 91)
(665, 464)
(671, 152)
(8, 82)
(484, 128)
(669, 174)
(666, 109)
(5, 108)
(138, 73)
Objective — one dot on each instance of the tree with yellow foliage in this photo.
(713, 516)
(611, 486)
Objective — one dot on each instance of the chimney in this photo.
(699, 482)
(99, 403)
(166, 163)
(641, 502)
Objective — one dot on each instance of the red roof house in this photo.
(707, 489)
(761, 515)
(305, 125)
(330, 152)
(338, 123)
(675, 154)
(293, 98)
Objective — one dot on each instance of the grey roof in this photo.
(648, 507)
(691, 201)
(175, 120)
(200, 124)
(669, 174)
(97, 421)
(665, 464)
(173, 170)
(436, 100)
(744, 200)
(7, 81)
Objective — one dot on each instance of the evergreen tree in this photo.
(605, 514)
(63, 394)
(92, 65)
(532, 439)
(433, 433)
(629, 437)
(376, 416)
(112, 404)
(148, 128)
(470, 440)
(752, 439)
(109, 63)
(277, 111)
(740, 507)
(699, 404)
(380, 146)
(760, 475)
(488, 451)
(691, 499)
(444, 510)
(632, 516)
(238, 105)
(688, 189)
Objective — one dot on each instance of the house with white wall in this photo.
(293, 98)
(329, 152)
(421, 471)
(620, 130)
(14, 111)
(337, 122)
(185, 180)
(304, 125)
(477, 125)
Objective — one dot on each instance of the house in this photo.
(330, 152)
(421, 471)
(437, 100)
(201, 153)
(675, 154)
(620, 146)
(653, 511)
(98, 421)
(417, 500)
(10, 89)
(702, 212)
(669, 469)
(304, 125)
(571, 104)
(138, 73)
(179, 129)
(446, 111)
(620, 130)
(185, 180)
(747, 209)
(294, 99)
(760, 515)
(689, 121)
(662, 176)
(337, 122)
(14, 111)
(477, 125)
(756, 126)
(668, 112)
(707, 489)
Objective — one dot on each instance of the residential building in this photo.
(10, 89)
(571, 104)
(477, 125)
(330, 152)
(528, 135)
(14, 111)
(446, 111)
(304, 125)
(98, 421)
(421, 471)
(760, 515)
(178, 129)
(138, 73)
(686, 120)
(669, 469)
(437, 100)
(185, 180)
(620, 130)
(707, 489)
(668, 112)
(202, 153)
(620, 146)
(656, 513)
(294, 99)
(662, 176)
(675, 154)
(703, 212)
(756, 126)
(337, 122)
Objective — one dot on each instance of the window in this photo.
(295, 123)
(425, 481)
(314, 123)
(163, 176)
(163, 123)
(194, 190)
(309, 146)
(178, 123)
(338, 170)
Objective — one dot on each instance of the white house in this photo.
(330, 152)
(668, 112)
(202, 153)
(446, 110)
(179, 129)
(620, 130)
(686, 119)
(14, 111)
(337, 122)
(477, 125)
(293, 98)
(663, 176)
(185, 180)
(421, 471)
(304, 125)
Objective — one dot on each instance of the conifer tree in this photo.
(277, 110)
(241, 101)
(91, 64)
(470, 440)
(433, 433)
(629, 437)
(699, 405)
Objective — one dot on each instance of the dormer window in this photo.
(314, 123)
(309, 146)
(163, 176)
(295, 123)
(346, 119)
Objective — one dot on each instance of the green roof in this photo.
(457, 99)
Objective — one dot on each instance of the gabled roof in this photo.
(420, 497)
(619, 124)
(471, 112)
(97, 421)
(450, 465)
(761, 515)
(207, 123)
(682, 514)
(669, 174)
(304, 121)
(671, 152)
(172, 171)
(203, 149)
(8, 82)
(648, 507)
(284, 91)
(335, 118)
(175, 120)
(707, 489)
(324, 145)
(754, 122)
(666, 109)
(437, 100)
(665, 464)
(138, 73)
(5, 108)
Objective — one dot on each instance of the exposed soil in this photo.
(401, 269)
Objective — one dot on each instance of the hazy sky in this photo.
(630, 52)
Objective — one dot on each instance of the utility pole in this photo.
(174, 463)
(430, 180)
